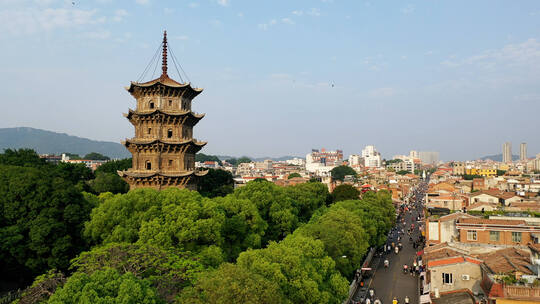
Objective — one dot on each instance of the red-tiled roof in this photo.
(491, 221)
(453, 260)
(508, 260)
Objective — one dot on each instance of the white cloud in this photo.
(193, 4)
(527, 98)
(382, 92)
(409, 9)
(103, 34)
(124, 38)
(44, 2)
(181, 37)
(525, 54)
(142, 2)
(287, 21)
(280, 76)
(240, 14)
(315, 12)
(223, 2)
(216, 23)
(298, 12)
(30, 21)
(168, 10)
(119, 15)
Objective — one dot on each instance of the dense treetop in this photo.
(345, 192)
(201, 157)
(260, 243)
(339, 172)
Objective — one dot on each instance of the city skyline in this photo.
(411, 83)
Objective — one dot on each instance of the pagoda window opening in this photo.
(149, 131)
(148, 165)
(170, 102)
(169, 133)
(170, 163)
(151, 104)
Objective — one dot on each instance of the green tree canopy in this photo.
(402, 172)
(345, 192)
(216, 182)
(274, 205)
(344, 238)
(236, 161)
(293, 175)
(243, 159)
(377, 213)
(21, 157)
(72, 156)
(41, 220)
(232, 284)
(168, 272)
(108, 182)
(115, 165)
(300, 267)
(201, 157)
(307, 198)
(96, 156)
(105, 286)
(178, 219)
(339, 172)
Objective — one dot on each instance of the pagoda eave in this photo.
(147, 174)
(128, 141)
(165, 112)
(166, 83)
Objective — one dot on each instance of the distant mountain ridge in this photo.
(258, 159)
(498, 157)
(48, 142)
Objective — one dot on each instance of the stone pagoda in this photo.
(163, 148)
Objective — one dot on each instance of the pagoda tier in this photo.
(183, 117)
(163, 86)
(162, 180)
(135, 145)
(163, 148)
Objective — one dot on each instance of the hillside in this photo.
(498, 157)
(47, 142)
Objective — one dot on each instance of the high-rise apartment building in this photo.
(523, 151)
(507, 152)
(372, 158)
(323, 161)
(429, 157)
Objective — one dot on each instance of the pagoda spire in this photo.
(164, 60)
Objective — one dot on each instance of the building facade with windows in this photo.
(497, 232)
(372, 158)
(507, 152)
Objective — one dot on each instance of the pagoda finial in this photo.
(164, 63)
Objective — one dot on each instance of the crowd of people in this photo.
(408, 228)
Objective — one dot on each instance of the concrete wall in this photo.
(505, 238)
(433, 231)
(448, 231)
(457, 270)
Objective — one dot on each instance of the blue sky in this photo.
(282, 77)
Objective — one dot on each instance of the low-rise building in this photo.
(443, 229)
(497, 231)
